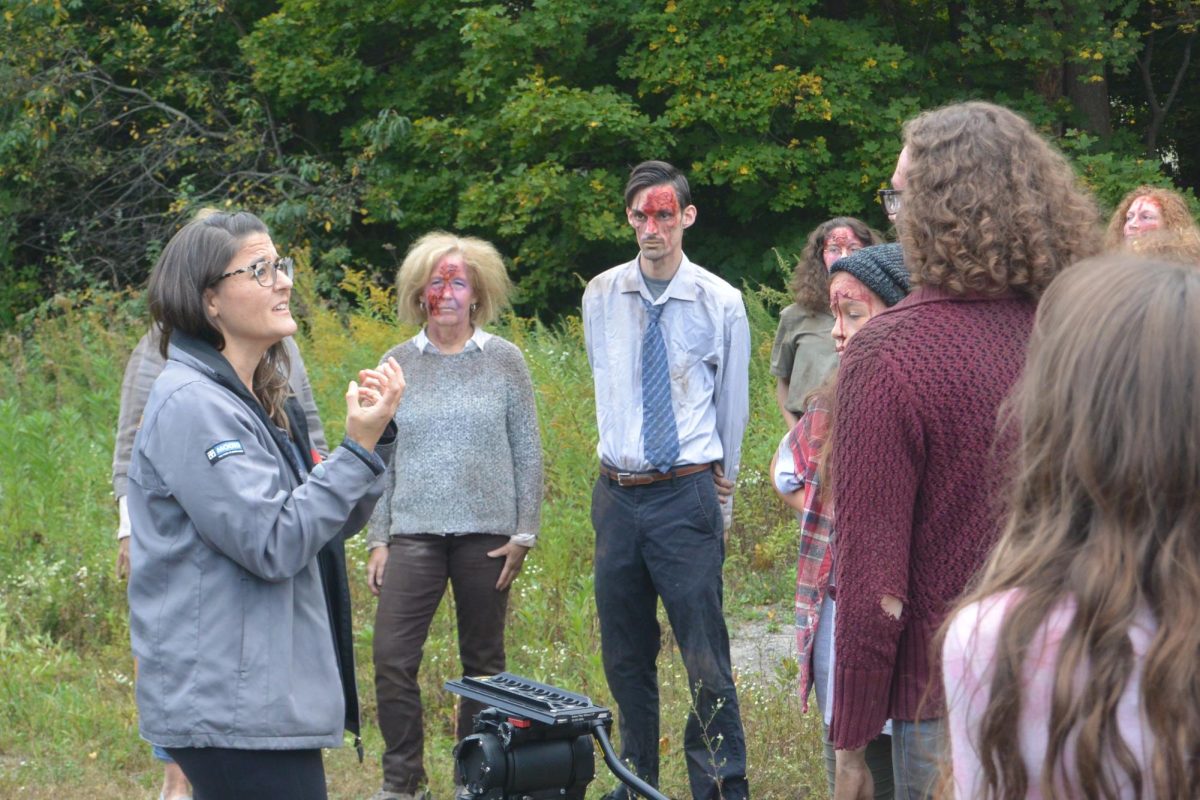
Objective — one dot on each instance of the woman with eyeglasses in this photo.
(803, 354)
(230, 616)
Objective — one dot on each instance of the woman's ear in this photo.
(211, 306)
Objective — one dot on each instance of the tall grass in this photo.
(67, 717)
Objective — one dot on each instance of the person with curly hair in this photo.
(1154, 222)
(1145, 209)
(1069, 668)
(991, 213)
(803, 356)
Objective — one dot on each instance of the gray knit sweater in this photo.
(468, 454)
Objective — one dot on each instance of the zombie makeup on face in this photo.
(659, 221)
(839, 243)
(1144, 215)
(658, 212)
(852, 305)
(449, 288)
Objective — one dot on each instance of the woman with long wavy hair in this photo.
(1070, 667)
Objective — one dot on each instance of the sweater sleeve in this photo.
(525, 441)
(878, 461)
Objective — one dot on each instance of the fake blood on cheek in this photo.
(445, 273)
(433, 301)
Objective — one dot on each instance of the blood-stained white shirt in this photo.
(708, 353)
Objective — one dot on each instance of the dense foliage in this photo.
(356, 126)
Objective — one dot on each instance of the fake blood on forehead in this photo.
(660, 198)
(842, 237)
(850, 293)
(844, 287)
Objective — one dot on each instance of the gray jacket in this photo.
(145, 362)
(228, 614)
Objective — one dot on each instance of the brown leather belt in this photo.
(644, 478)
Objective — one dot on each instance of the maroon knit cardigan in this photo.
(916, 477)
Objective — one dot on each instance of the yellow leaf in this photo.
(328, 226)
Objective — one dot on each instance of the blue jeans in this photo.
(879, 749)
(666, 540)
(916, 752)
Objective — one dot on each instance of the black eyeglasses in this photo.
(890, 198)
(265, 272)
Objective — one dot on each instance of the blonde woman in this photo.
(463, 500)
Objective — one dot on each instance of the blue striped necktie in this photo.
(660, 437)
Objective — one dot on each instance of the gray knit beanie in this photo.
(880, 268)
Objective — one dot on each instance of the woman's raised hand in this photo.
(372, 401)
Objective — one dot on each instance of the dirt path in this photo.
(760, 645)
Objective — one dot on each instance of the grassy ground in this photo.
(68, 723)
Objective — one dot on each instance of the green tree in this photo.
(120, 122)
(354, 127)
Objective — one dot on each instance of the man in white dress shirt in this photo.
(669, 347)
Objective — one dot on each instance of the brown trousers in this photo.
(414, 581)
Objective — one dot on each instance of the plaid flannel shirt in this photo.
(816, 530)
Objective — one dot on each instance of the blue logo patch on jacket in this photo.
(230, 447)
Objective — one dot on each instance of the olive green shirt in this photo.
(803, 353)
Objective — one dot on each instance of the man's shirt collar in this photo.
(682, 286)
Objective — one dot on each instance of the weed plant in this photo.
(67, 717)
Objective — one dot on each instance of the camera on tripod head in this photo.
(533, 742)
